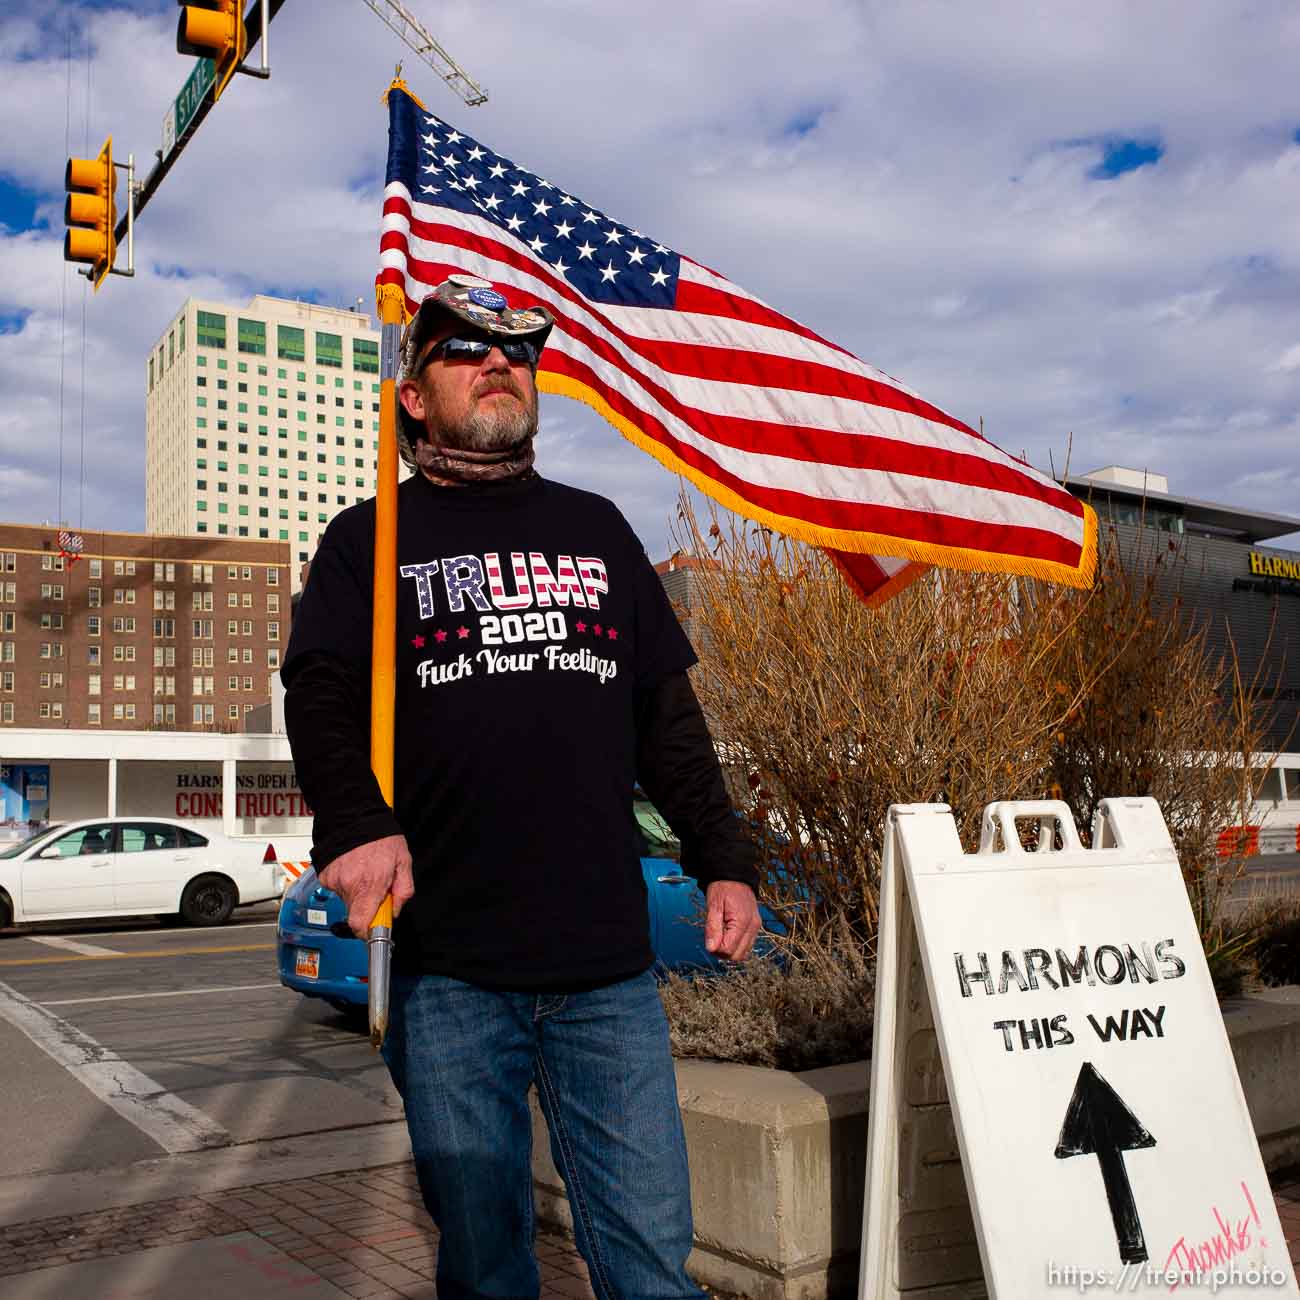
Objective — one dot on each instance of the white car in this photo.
(126, 866)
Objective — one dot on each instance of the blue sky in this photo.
(1078, 225)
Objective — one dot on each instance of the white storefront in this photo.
(238, 784)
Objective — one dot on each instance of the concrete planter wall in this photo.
(778, 1160)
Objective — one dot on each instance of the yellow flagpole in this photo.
(383, 671)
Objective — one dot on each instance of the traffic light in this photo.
(90, 212)
(214, 29)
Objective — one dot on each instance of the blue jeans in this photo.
(463, 1058)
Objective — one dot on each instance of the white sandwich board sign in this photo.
(1054, 1104)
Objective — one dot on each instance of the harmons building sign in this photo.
(1234, 586)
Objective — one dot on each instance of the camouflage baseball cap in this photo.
(476, 302)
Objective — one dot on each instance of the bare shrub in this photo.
(1167, 719)
(962, 689)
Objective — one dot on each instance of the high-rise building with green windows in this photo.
(289, 388)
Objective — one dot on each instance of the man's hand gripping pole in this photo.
(383, 674)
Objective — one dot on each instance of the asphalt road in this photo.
(121, 1042)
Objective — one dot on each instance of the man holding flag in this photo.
(540, 673)
(538, 669)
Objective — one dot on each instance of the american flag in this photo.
(756, 410)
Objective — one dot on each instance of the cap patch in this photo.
(489, 298)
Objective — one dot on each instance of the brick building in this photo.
(144, 631)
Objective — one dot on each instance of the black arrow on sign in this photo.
(1098, 1123)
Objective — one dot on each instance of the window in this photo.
(272, 577)
(211, 332)
(248, 683)
(247, 573)
(248, 654)
(52, 563)
(52, 621)
(94, 597)
(92, 625)
(202, 573)
(290, 345)
(252, 336)
(247, 600)
(164, 571)
(9, 561)
(92, 654)
(232, 628)
(97, 568)
(8, 622)
(273, 603)
(365, 355)
(93, 683)
(329, 351)
(273, 631)
(202, 629)
(93, 715)
(232, 712)
(273, 658)
(164, 628)
(246, 627)
(9, 592)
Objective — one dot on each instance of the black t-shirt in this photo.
(528, 616)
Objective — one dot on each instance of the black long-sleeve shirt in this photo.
(526, 711)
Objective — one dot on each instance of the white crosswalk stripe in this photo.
(173, 1124)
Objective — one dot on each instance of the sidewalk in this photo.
(361, 1233)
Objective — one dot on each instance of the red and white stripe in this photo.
(767, 417)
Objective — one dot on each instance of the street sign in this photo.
(1054, 1102)
(181, 113)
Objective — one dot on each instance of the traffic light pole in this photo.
(258, 27)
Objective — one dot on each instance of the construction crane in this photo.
(399, 19)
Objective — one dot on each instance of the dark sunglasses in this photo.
(475, 349)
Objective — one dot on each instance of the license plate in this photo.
(306, 963)
(316, 916)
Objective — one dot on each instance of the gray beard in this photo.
(494, 430)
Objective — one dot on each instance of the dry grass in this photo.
(804, 1013)
(1266, 934)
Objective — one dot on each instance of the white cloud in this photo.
(898, 176)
